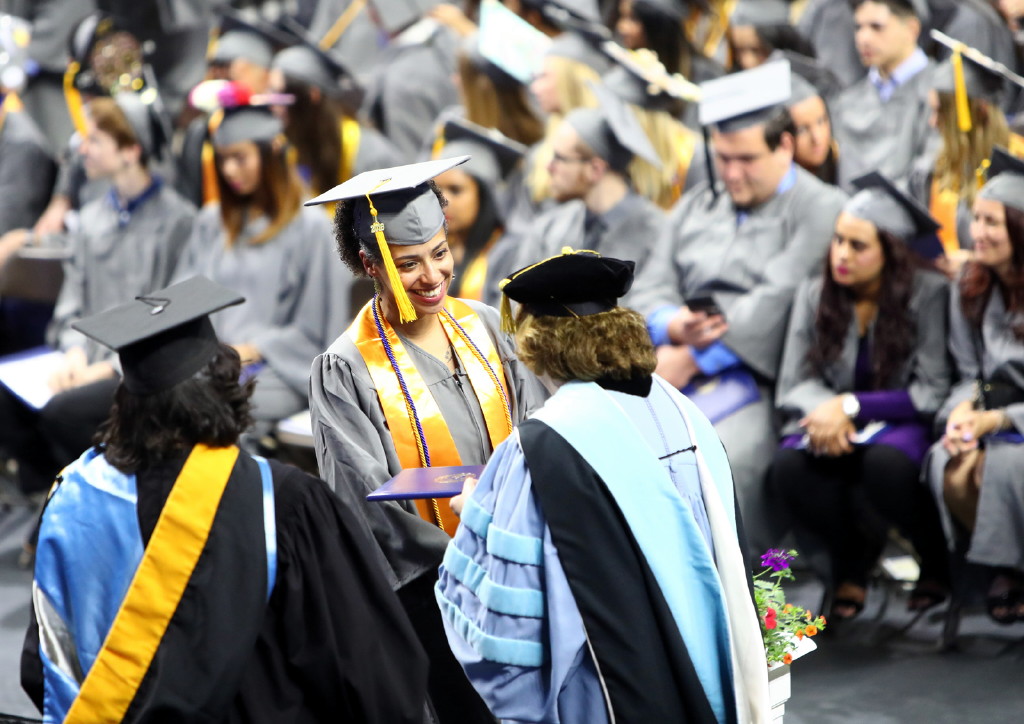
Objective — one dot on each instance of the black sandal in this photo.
(1004, 595)
(926, 594)
(855, 606)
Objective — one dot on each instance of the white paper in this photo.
(28, 375)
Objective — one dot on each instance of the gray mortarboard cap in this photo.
(801, 91)
(165, 337)
(885, 205)
(493, 155)
(307, 63)
(612, 131)
(824, 81)
(741, 100)
(247, 123)
(405, 203)
(760, 12)
(396, 15)
(142, 111)
(574, 46)
(252, 40)
(1005, 180)
(979, 82)
(633, 88)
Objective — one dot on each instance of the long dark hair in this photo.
(211, 407)
(978, 280)
(895, 333)
(313, 130)
(480, 233)
(279, 196)
(664, 35)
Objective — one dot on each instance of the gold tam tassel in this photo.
(981, 173)
(508, 325)
(963, 105)
(406, 312)
(73, 98)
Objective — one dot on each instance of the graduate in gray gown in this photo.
(598, 210)
(974, 471)
(260, 241)
(332, 144)
(863, 372)
(743, 246)
(128, 244)
(419, 379)
(881, 121)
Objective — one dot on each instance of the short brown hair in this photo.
(110, 119)
(612, 344)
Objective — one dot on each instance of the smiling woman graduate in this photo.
(419, 379)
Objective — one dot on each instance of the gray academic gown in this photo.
(375, 151)
(412, 84)
(26, 172)
(356, 454)
(110, 264)
(997, 535)
(884, 137)
(296, 298)
(829, 26)
(628, 231)
(925, 374)
(752, 270)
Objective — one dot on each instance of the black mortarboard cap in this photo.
(572, 284)
(493, 155)
(165, 337)
(741, 100)
(1005, 180)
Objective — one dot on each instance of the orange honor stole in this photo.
(418, 429)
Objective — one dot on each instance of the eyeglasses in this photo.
(559, 158)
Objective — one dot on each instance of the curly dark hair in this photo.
(978, 280)
(895, 332)
(211, 407)
(348, 242)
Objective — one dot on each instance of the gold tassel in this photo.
(963, 105)
(981, 173)
(406, 312)
(73, 98)
(508, 325)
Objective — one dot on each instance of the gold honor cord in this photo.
(333, 35)
(156, 589)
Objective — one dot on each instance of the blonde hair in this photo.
(612, 344)
(667, 134)
(963, 153)
(571, 87)
(490, 106)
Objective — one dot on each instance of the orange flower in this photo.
(787, 608)
(811, 630)
(823, 621)
(799, 634)
(807, 615)
(787, 659)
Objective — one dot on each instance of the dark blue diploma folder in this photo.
(440, 482)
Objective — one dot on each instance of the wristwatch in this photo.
(851, 405)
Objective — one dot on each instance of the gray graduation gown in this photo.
(925, 374)
(375, 151)
(26, 172)
(110, 264)
(997, 536)
(884, 137)
(356, 454)
(296, 298)
(829, 26)
(752, 271)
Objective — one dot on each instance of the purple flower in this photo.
(777, 560)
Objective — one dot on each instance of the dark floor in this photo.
(867, 674)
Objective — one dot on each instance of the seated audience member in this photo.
(881, 121)
(613, 503)
(180, 579)
(863, 372)
(975, 470)
(473, 215)
(128, 245)
(261, 241)
(332, 145)
(597, 208)
(757, 28)
(970, 123)
(746, 244)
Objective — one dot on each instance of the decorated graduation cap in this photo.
(760, 13)
(1005, 180)
(393, 206)
(508, 42)
(612, 131)
(145, 115)
(307, 63)
(742, 100)
(640, 79)
(165, 337)
(15, 35)
(245, 116)
(104, 58)
(251, 39)
(492, 154)
(572, 284)
(890, 209)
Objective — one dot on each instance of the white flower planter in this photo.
(779, 690)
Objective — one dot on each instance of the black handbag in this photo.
(998, 390)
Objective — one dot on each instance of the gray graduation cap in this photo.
(247, 123)
(741, 100)
(1005, 180)
(760, 12)
(574, 46)
(885, 205)
(393, 206)
(165, 337)
(145, 115)
(636, 90)
(307, 63)
(492, 154)
(396, 15)
(251, 39)
(803, 67)
(980, 82)
(612, 131)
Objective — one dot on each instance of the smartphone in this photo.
(704, 304)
